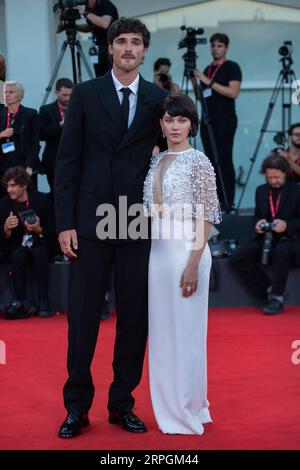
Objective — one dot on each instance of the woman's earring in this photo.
(163, 134)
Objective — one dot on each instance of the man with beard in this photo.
(111, 128)
(277, 212)
(292, 154)
(52, 118)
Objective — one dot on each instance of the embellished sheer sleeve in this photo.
(204, 190)
(147, 191)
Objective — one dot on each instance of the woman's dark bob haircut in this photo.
(179, 104)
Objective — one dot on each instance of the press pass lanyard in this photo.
(10, 119)
(211, 75)
(274, 209)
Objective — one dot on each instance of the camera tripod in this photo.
(77, 55)
(283, 84)
(190, 64)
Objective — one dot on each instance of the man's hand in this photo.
(11, 222)
(68, 242)
(257, 226)
(204, 79)
(7, 133)
(280, 226)
(34, 228)
(155, 151)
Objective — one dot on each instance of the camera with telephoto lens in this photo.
(28, 216)
(267, 226)
(164, 80)
(268, 241)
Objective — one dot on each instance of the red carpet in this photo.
(253, 387)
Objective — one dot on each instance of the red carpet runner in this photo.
(254, 387)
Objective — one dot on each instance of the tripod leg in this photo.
(79, 67)
(55, 71)
(73, 59)
(84, 59)
(213, 146)
(278, 87)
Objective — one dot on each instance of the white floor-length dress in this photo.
(178, 325)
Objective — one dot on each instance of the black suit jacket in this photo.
(288, 209)
(98, 160)
(41, 204)
(26, 138)
(50, 132)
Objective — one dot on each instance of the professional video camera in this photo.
(69, 11)
(286, 52)
(267, 227)
(190, 41)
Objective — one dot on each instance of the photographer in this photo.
(19, 132)
(52, 117)
(292, 154)
(26, 222)
(100, 14)
(277, 214)
(221, 82)
(162, 76)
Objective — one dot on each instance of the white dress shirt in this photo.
(132, 97)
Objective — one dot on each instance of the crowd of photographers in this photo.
(27, 220)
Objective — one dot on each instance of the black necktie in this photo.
(125, 104)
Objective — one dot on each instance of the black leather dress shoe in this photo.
(127, 419)
(273, 307)
(45, 310)
(16, 310)
(71, 427)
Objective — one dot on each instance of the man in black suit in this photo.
(19, 132)
(52, 117)
(277, 202)
(110, 131)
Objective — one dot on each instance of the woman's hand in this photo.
(189, 280)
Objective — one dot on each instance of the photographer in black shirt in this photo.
(221, 81)
(99, 15)
(277, 215)
(26, 223)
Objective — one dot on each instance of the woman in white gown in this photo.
(180, 196)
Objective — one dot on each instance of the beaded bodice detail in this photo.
(188, 180)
